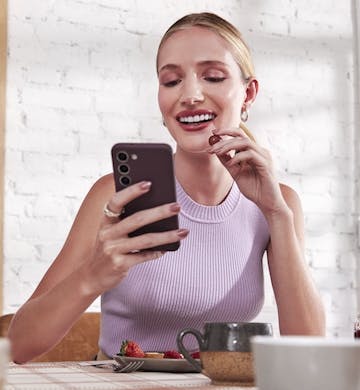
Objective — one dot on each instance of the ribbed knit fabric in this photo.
(216, 275)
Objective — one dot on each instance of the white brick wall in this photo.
(81, 76)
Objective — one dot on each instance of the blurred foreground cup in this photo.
(4, 360)
(306, 363)
(225, 351)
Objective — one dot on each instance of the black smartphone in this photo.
(135, 162)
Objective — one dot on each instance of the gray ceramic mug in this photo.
(225, 350)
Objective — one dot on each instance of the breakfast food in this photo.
(195, 355)
(214, 139)
(173, 355)
(154, 355)
(130, 348)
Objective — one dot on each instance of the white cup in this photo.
(306, 363)
(4, 359)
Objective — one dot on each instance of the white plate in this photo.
(162, 365)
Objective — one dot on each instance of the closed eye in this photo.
(215, 79)
(171, 83)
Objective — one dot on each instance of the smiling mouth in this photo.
(196, 119)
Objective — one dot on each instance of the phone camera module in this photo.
(125, 180)
(124, 169)
(122, 156)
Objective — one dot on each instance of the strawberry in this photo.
(195, 355)
(131, 349)
(173, 355)
(214, 139)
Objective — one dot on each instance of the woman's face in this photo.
(200, 87)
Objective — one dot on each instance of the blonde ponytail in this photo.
(247, 131)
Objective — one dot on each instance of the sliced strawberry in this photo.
(173, 355)
(195, 355)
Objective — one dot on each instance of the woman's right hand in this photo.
(115, 252)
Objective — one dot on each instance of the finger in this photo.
(232, 132)
(248, 156)
(143, 242)
(237, 145)
(141, 257)
(123, 197)
(141, 218)
(123, 262)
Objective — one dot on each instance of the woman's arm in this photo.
(96, 256)
(299, 305)
(62, 294)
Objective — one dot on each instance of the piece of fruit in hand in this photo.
(131, 349)
(173, 355)
(214, 139)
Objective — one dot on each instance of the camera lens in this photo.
(124, 169)
(122, 156)
(125, 180)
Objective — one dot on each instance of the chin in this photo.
(194, 147)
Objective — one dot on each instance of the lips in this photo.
(195, 120)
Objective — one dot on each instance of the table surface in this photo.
(81, 375)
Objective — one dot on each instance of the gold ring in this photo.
(111, 214)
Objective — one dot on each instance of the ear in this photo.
(251, 92)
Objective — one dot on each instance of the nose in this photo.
(191, 92)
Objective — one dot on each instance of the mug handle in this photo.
(184, 351)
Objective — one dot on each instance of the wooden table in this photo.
(81, 375)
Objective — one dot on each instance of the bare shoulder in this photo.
(98, 195)
(104, 185)
(292, 199)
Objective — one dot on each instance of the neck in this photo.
(202, 177)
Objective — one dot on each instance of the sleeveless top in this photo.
(216, 275)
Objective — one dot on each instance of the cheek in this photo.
(164, 100)
(237, 95)
(233, 100)
(160, 100)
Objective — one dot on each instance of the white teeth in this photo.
(196, 118)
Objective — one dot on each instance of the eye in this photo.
(214, 79)
(171, 83)
(214, 75)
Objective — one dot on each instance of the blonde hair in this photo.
(228, 32)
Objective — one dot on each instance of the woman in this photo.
(231, 209)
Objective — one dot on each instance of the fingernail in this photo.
(182, 233)
(175, 207)
(159, 253)
(145, 185)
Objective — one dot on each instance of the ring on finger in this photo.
(111, 214)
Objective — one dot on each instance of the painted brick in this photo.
(87, 13)
(81, 76)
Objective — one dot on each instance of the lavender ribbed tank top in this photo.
(216, 275)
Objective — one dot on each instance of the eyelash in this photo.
(173, 83)
(215, 79)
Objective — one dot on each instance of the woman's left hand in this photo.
(251, 167)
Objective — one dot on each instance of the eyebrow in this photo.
(201, 63)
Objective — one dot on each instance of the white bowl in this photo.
(306, 363)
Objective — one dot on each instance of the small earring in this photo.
(244, 114)
(163, 122)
